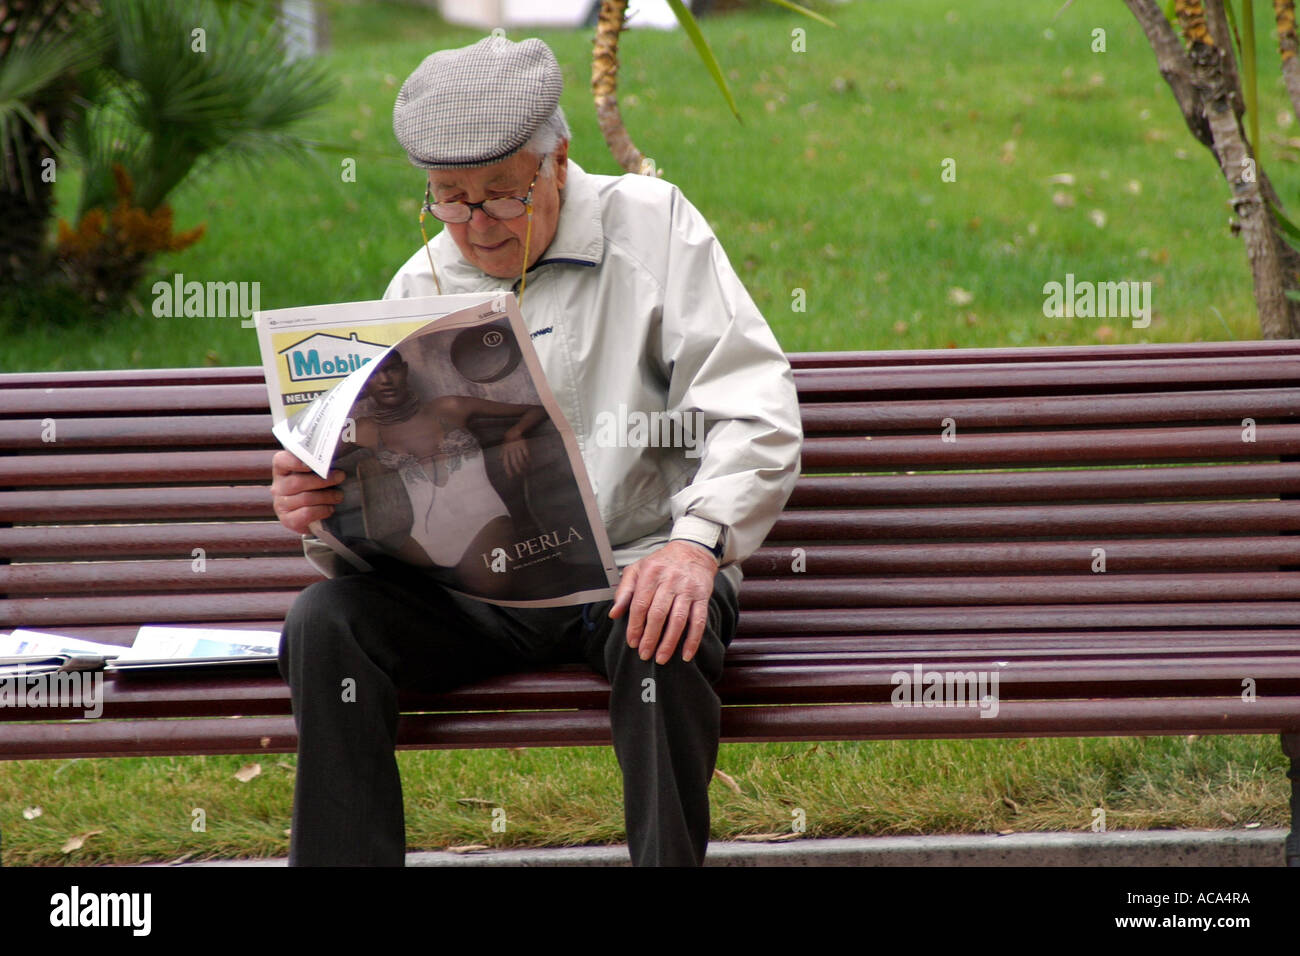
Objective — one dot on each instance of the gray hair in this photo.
(547, 138)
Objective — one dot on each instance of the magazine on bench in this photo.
(458, 463)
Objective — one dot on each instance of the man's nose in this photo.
(480, 220)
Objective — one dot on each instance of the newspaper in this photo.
(458, 462)
(156, 647)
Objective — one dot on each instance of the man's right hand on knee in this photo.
(299, 495)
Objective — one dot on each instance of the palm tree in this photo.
(604, 75)
(164, 87)
(43, 44)
(1202, 74)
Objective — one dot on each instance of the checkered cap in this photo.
(476, 105)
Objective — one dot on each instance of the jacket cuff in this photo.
(702, 531)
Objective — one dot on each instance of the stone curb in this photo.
(1185, 848)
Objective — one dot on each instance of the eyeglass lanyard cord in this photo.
(523, 276)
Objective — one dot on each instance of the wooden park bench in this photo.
(964, 511)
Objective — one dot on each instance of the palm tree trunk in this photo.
(1204, 82)
(604, 87)
(27, 193)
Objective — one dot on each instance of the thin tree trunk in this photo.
(1204, 82)
(604, 88)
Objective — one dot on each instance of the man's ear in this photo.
(561, 160)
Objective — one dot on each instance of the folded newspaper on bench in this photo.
(156, 648)
(457, 459)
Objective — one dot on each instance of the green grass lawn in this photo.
(1067, 161)
(832, 185)
(144, 809)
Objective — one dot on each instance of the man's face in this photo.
(497, 245)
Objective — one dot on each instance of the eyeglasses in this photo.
(506, 207)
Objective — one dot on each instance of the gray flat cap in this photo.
(476, 105)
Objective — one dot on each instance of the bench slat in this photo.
(135, 696)
(53, 613)
(999, 645)
(958, 558)
(200, 431)
(249, 575)
(1111, 484)
(150, 468)
(143, 399)
(1030, 520)
(66, 506)
(1085, 377)
(91, 542)
(819, 592)
(846, 566)
(1158, 351)
(1244, 480)
(1133, 409)
(94, 738)
(254, 501)
(1269, 614)
(120, 577)
(1037, 449)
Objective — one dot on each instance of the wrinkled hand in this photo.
(299, 495)
(514, 455)
(667, 592)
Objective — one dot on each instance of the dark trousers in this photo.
(351, 643)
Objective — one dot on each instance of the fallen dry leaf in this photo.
(1015, 807)
(727, 779)
(265, 742)
(181, 859)
(475, 802)
(248, 772)
(1252, 826)
(767, 837)
(468, 848)
(1005, 832)
(959, 296)
(74, 843)
(31, 813)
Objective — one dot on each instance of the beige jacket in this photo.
(634, 307)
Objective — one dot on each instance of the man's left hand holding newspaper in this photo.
(299, 495)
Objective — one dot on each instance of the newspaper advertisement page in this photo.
(308, 350)
(457, 459)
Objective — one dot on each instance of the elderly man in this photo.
(632, 306)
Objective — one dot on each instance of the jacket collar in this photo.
(579, 239)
